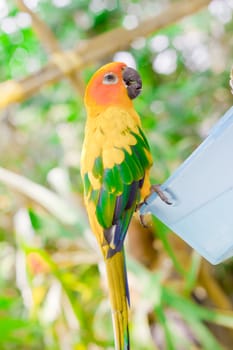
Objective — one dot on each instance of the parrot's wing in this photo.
(119, 191)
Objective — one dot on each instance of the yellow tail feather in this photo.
(118, 292)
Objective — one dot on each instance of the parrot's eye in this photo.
(110, 78)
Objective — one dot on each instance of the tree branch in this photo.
(50, 43)
(63, 63)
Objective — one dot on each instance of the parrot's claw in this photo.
(141, 216)
(162, 196)
(142, 221)
(160, 193)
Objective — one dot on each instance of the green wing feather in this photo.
(119, 191)
(98, 167)
(125, 173)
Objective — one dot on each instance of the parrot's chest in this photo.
(107, 136)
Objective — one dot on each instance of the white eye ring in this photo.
(110, 79)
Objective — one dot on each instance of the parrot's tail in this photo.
(119, 298)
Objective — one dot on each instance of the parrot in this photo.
(115, 167)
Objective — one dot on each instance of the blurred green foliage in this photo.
(51, 294)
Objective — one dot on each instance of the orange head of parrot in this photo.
(112, 84)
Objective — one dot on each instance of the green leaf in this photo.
(189, 308)
(160, 315)
(35, 219)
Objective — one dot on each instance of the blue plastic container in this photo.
(201, 190)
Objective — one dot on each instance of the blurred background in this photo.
(53, 289)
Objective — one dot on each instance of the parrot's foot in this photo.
(141, 216)
(162, 196)
(160, 193)
(142, 221)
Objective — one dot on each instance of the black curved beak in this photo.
(132, 81)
